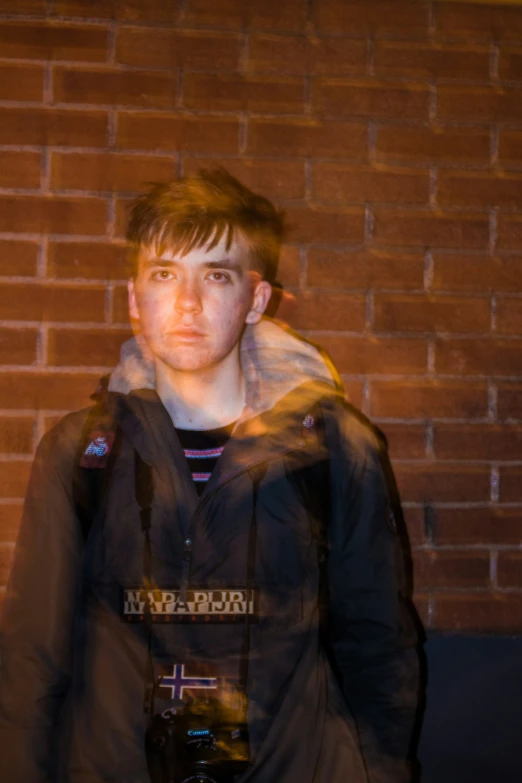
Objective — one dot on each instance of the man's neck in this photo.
(203, 400)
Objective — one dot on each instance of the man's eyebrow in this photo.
(223, 263)
(156, 261)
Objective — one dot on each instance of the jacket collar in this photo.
(274, 359)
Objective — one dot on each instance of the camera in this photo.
(203, 741)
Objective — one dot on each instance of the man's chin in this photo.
(188, 362)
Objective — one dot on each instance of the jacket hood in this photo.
(275, 360)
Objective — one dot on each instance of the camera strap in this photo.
(257, 473)
(144, 492)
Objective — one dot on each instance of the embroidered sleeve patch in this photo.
(97, 452)
(196, 606)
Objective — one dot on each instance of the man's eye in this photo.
(220, 277)
(162, 274)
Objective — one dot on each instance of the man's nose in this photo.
(188, 298)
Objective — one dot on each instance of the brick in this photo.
(472, 189)
(446, 61)
(429, 400)
(178, 133)
(354, 391)
(281, 179)
(510, 64)
(44, 390)
(171, 49)
(380, 17)
(360, 355)
(10, 517)
(414, 519)
(509, 316)
(429, 145)
(60, 127)
(479, 104)
(509, 147)
(85, 348)
(120, 305)
(320, 224)
(53, 41)
(478, 441)
(18, 346)
(305, 55)
(16, 435)
(411, 228)
(372, 99)
(509, 569)
(479, 612)
(510, 482)
(6, 562)
(124, 10)
(342, 312)
(87, 260)
(483, 22)
(308, 137)
(262, 14)
(24, 6)
(289, 268)
(23, 301)
(56, 215)
(342, 182)
(424, 313)
(509, 400)
(122, 214)
(364, 269)
(478, 357)
(283, 305)
(19, 169)
(114, 87)
(443, 483)
(467, 272)
(491, 525)
(243, 93)
(18, 258)
(451, 569)
(21, 82)
(509, 232)
(108, 172)
(13, 478)
(405, 441)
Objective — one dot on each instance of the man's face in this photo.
(192, 308)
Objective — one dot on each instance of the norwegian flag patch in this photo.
(182, 681)
(97, 452)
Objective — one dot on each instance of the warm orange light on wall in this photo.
(484, 2)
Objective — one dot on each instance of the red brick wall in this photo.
(390, 130)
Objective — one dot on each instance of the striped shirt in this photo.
(202, 450)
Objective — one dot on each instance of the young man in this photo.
(209, 587)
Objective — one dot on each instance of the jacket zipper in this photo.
(187, 544)
(187, 555)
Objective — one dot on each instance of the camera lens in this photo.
(200, 777)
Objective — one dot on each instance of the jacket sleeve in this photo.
(370, 629)
(37, 619)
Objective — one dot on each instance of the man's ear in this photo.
(260, 299)
(133, 307)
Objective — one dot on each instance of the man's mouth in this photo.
(187, 333)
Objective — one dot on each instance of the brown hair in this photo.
(192, 211)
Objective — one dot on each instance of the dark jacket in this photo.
(73, 668)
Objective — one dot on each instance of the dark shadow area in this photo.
(472, 726)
